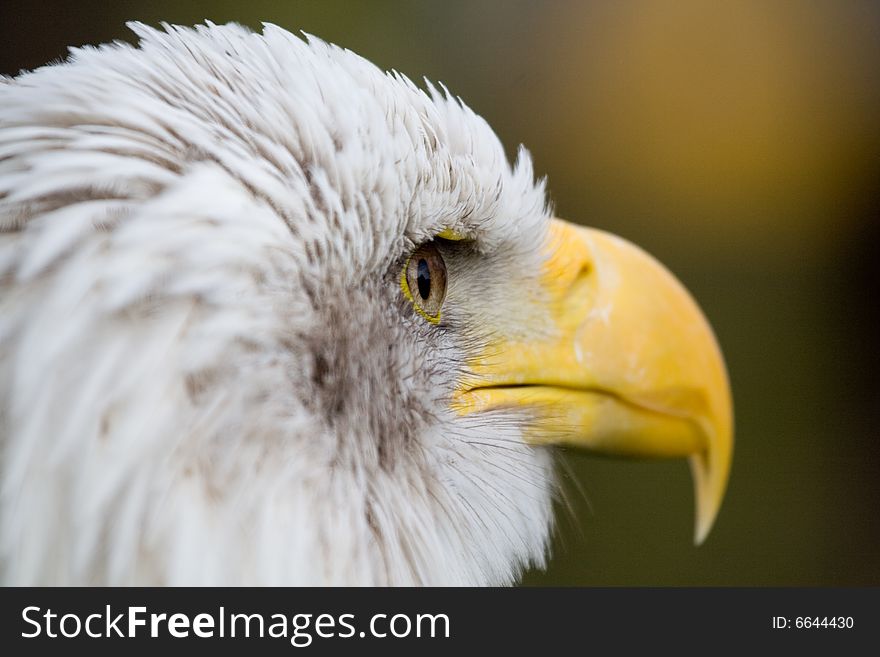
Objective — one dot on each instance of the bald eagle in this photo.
(269, 315)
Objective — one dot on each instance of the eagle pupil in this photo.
(424, 279)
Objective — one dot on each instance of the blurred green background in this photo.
(737, 142)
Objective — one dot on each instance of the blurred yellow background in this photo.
(740, 144)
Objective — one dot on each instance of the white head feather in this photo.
(207, 372)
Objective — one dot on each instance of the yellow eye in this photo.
(423, 281)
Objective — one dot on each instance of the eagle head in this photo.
(269, 315)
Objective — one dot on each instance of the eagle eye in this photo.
(424, 281)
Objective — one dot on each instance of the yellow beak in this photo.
(625, 365)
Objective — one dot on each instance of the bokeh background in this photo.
(738, 142)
